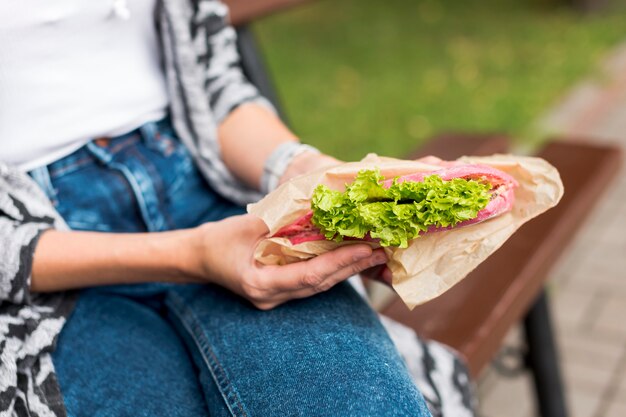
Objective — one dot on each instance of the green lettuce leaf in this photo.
(399, 213)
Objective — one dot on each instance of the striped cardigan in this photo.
(205, 84)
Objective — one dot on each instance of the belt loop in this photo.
(41, 176)
(148, 132)
(101, 154)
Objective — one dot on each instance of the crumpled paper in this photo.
(432, 263)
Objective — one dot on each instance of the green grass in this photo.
(360, 76)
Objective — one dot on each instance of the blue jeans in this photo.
(198, 350)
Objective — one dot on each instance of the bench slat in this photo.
(245, 11)
(451, 146)
(475, 315)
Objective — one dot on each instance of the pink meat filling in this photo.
(468, 171)
(302, 230)
(502, 199)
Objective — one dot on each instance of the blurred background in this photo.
(361, 76)
(358, 76)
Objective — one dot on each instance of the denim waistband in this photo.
(95, 151)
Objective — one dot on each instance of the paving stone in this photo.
(615, 64)
(620, 390)
(615, 234)
(604, 216)
(612, 317)
(570, 261)
(563, 330)
(584, 405)
(606, 130)
(616, 409)
(582, 377)
(597, 275)
(511, 397)
(571, 304)
(575, 104)
(486, 381)
(608, 254)
(589, 349)
(601, 241)
(620, 181)
(612, 125)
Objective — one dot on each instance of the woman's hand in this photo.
(225, 254)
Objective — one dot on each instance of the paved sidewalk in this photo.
(588, 287)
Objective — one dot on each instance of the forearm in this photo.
(250, 134)
(247, 138)
(70, 260)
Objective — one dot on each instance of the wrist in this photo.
(171, 256)
(191, 253)
(279, 161)
(307, 162)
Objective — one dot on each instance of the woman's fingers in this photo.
(313, 272)
(380, 273)
(377, 258)
(387, 276)
(304, 279)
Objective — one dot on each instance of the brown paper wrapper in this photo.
(433, 263)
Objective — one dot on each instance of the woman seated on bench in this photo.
(131, 126)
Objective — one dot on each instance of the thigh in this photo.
(327, 355)
(116, 357)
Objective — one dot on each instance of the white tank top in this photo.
(73, 70)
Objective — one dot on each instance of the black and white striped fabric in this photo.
(205, 83)
(439, 373)
(29, 323)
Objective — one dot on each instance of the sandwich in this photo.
(437, 220)
(394, 211)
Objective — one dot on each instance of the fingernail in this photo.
(379, 258)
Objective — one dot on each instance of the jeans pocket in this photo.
(97, 198)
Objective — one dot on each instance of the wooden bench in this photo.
(474, 316)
